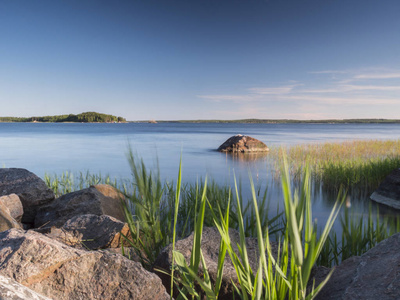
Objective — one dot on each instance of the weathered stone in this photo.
(6, 221)
(129, 252)
(373, 275)
(12, 290)
(62, 272)
(14, 206)
(91, 232)
(388, 192)
(243, 143)
(31, 190)
(97, 200)
(210, 247)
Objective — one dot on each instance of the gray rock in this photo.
(31, 190)
(62, 272)
(12, 290)
(91, 232)
(242, 143)
(97, 200)
(14, 206)
(388, 192)
(210, 247)
(374, 275)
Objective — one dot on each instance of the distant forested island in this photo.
(86, 117)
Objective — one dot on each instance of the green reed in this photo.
(361, 164)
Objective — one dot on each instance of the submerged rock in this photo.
(388, 192)
(31, 190)
(242, 143)
(61, 272)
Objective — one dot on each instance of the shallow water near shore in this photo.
(101, 148)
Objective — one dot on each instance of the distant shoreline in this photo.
(284, 121)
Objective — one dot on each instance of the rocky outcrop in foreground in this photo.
(31, 190)
(12, 290)
(388, 192)
(242, 143)
(97, 200)
(61, 272)
(373, 275)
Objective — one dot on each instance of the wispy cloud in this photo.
(329, 72)
(369, 92)
(273, 90)
(390, 75)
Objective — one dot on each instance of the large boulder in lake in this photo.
(12, 290)
(373, 275)
(61, 272)
(31, 190)
(242, 143)
(98, 200)
(388, 192)
(210, 243)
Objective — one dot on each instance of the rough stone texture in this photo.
(243, 143)
(91, 232)
(6, 221)
(129, 252)
(210, 247)
(31, 190)
(62, 272)
(14, 206)
(374, 275)
(97, 200)
(388, 192)
(12, 290)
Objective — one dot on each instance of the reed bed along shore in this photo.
(359, 164)
(159, 213)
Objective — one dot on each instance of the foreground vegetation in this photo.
(86, 117)
(159, 213)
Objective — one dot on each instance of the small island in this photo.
(86, 117)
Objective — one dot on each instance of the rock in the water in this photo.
(62, 272)
(14, 206)
(243, 143)
(210, 247)
(91, 232)
(97, 200)
(388, 192)
(31, 190)
(374, 275)
(12, 290)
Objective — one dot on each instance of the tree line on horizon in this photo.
(86, 117)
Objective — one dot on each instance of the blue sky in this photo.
(201, 59)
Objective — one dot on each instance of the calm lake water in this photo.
(101, 148)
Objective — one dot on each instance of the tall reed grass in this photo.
(360, 164)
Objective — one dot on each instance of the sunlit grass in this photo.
(352, 164)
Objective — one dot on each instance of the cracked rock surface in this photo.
(61, 272)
